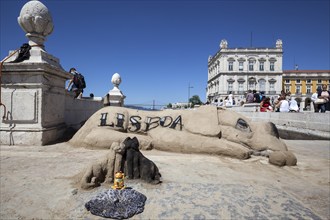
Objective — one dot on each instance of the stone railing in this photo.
(301, 125)
(77, 111)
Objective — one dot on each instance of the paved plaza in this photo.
(38, 182)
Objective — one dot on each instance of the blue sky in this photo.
(159, 47)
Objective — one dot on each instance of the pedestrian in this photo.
(283, 105)
(230, 99)
(256, 97)
(314, 98)
(249, 96)
(324, 96)
(265, 105)
(293, 105)
(77, 83)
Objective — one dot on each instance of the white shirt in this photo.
(284, 106)
(230, 99)
(314, 97)
(294, 105)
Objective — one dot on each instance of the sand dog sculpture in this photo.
(137, 165)
(207, 130)
(124, 156)
(105, 169)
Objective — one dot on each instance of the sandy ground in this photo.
(38, 183)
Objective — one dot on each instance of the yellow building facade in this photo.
(303, 83)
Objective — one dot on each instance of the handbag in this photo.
(320, 101)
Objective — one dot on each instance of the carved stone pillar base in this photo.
(34, 96)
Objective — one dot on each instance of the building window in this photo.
(262, 85)
(308, 81)
(251, 65)
(297, 80)
(272, 66)
(272, 86)
(287, 89)
(308, 89)
(298, 91)
(230, 67)
(240, 66)
(251, 85)
(319, 81)
(240, 88)
(230, 86)
(287, 81)
(261, 66)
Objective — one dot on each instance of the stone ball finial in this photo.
(116, 79)
(36, 21)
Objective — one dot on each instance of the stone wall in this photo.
(301, 125)
(77, 111)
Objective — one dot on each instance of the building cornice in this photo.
(305, 71)
(245, 51)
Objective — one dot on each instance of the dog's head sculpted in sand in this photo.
(204, 130)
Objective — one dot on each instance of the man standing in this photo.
(256, 96)
(249, 97)
(76, 82)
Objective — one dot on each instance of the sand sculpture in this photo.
(124, 156)
(208, 130)
(105, 169)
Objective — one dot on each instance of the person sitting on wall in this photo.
(293, 107)
(265, 105)
(283, 105)
(324, 95)
(75, 84)
(314, 98)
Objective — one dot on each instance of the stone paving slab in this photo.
(217, 201)
(36, 182)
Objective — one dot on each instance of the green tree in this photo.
(195, 100)
(169, 105)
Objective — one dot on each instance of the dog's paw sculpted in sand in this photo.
(204, 130)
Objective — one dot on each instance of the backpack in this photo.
(79, 81)
(257, 98)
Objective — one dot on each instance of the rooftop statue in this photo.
(223, 44)
(279, 43)
(205, 130)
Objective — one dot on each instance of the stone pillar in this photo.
(115, 97)
(33, 90)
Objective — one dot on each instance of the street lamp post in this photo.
(189, 87)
